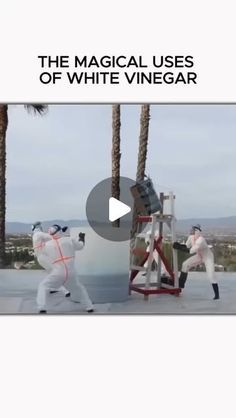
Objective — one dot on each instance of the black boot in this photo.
(182, 279)
(216, 291)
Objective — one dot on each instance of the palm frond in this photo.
(37, 108)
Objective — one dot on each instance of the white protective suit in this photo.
(202, 255)
(61, 252)
(39, 239)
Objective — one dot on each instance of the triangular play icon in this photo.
(117, 209)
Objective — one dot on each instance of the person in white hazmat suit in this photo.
(39, 238)
(201, 254)
(61, 253)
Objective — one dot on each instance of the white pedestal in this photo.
(103, 268)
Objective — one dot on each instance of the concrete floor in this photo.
(18, 290)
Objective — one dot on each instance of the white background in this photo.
(204, 29)
(117, 366)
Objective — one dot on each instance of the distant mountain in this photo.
(211, 225)
(24, 228)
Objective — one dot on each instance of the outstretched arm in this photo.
(189, 241)
(79, 244)
(180, 247)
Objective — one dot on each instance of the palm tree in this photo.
(142, 157)
(37, 109)
(143, 141)
(116, 124)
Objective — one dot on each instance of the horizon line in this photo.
(85, 220)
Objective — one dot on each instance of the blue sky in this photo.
(53, 162)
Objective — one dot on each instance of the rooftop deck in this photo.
(18, 291)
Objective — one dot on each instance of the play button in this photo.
(109, 216)
(117, 209)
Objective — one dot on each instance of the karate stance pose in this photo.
(197, 245)
(61, 253)
(39, 239)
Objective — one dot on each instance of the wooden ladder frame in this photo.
(172, 285)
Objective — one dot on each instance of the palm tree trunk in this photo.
(116, 124)
(142, 157)
(3, 129)
(143, 141)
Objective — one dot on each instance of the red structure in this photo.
(169, 285)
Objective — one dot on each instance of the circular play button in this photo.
(111, 218)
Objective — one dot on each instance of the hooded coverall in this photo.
(39, 239)
(61, 253)
(202, 255)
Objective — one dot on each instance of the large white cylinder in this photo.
(103, 268)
